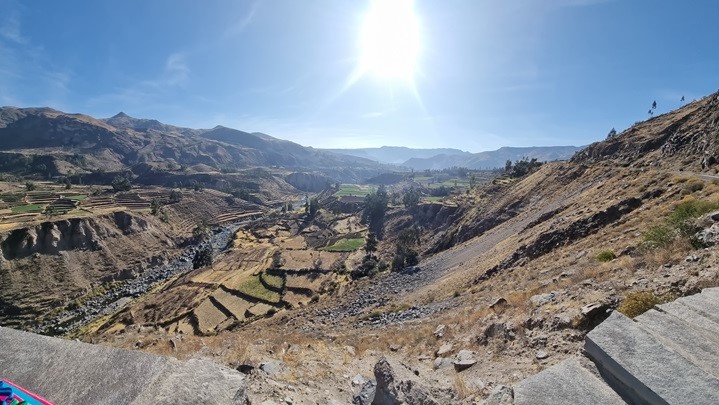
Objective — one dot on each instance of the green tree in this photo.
(375, 208)
(30, 186)
(370, 245)
(411, 198)
(201, 232)
(313, 207)
(121, 183)
(277, 260)
(175, 196)
(68, 183)
(204, 257)
(405, 249)
(155, 206)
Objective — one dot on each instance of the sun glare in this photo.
(390, 40)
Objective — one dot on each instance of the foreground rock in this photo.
(68, 372)
(394, 388)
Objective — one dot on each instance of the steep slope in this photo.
(512, 275)
(46, 141)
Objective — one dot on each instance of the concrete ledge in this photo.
(649, 371)
(567, 383)
(66, 371)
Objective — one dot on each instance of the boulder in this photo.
(500, 395)
(391, 389)
(272, 367)
(442, 362)
(708, 236)
(496, 330)
(498, 305)
(440, 331)
(366, 394)
(541, 355)
(464, 360)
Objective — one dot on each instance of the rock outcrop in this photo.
(393, 389)
(70, 372)
(70, 234)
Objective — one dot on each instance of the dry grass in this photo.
(460, 387)
(672, 253)
(639, 302)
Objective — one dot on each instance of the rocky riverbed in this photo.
(88, 310)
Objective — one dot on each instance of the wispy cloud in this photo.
(27, 75)
(145, 94)
(373, 114)
(176, 70)
(10, 29)
(240, 25)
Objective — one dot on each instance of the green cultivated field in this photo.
(345, 245)
(354, 190)
(254, 288)
(26, 209)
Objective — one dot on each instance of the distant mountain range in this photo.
(397, 155)
(437, 159)
(52, 142)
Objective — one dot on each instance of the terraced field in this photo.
(248, 282)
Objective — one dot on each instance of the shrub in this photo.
(680, 223)
(658, 236)
(639, 302)
(693, 185)
(606, 256)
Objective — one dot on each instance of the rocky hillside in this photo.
(46, 141)
(512, 277)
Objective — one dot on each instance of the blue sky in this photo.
(489, 73)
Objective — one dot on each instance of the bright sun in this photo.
(390, 40)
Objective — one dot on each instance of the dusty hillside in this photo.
(516, 272)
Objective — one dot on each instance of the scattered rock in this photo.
(562, 320)
(366, 394)
(500, 395)
(541, 355)
(444, 349)
(499, 305)
(395, 347)
(350, 350)
(542, 299)
(496, 330)
(440, 331)
(358, 380)
(464, 360)
(272, 367)
(590, 311)
(442, 362)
